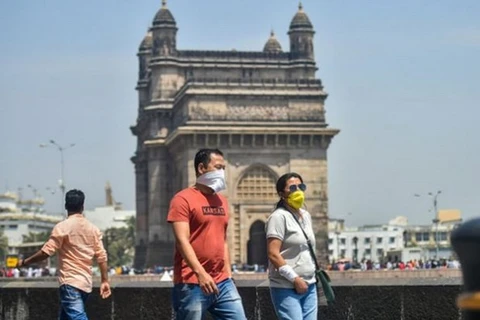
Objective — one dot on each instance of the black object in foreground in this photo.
(466, 244)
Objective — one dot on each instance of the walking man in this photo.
(77, 241)
(202, 271)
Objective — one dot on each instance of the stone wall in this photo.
(407, 295)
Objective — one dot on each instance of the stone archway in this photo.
(257, 245)
(252, 200)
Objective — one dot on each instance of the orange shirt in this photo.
(77, 241)
(207, 215)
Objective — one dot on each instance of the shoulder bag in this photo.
(322, 277)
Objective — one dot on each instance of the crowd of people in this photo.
(364, 265)
(27, 272)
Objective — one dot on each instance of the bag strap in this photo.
(309, 243)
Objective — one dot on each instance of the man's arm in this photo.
(53, 243)
(101, 256)
(103, 266)
(37, 257)
(104, 286)
(181, 230)
(228, 266)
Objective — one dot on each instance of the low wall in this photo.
(383, 295)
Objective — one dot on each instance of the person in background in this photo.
(77, 241)
(291, 267)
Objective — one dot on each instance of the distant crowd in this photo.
(27, 272)
(341, 265)
(364, 265)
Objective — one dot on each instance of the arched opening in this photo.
(257, 245)
(255, 197)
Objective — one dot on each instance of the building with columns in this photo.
(368, 242)
(263, 109)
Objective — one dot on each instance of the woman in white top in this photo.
(291, 267)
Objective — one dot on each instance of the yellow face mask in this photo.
(296, 199)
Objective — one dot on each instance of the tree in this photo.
(120, 243)
(3, 246)
(36, 237)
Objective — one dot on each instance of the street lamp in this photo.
(355, 251)
(435, 219)
(61, 182)
(35, 196)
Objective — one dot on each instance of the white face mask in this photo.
(214, 180)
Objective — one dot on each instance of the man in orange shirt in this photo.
(202, 271)
(77, 241)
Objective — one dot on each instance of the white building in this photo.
(108, 217)
(433, 239)
(111, 215)
(366, 242)
(20, 217)
(15, 225)
(395, 240)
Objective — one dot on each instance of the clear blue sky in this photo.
(402, 78)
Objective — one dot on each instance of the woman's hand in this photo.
(300, 285)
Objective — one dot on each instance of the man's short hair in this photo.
(74, 200)
(203, 156)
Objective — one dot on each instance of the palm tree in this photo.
(36, 237)
(3, 245)
(120, 243)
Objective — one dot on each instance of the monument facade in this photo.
(263, 109)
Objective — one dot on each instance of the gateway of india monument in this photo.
(263, 109)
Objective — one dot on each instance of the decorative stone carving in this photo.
(248, 113)
(200, 113)
(256, 113)
(271, 160)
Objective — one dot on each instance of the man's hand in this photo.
(206, 283)
(20, 263)
(105, 290)
(300, 285)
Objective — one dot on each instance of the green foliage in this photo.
(36, 237)
(3, 246)
(120, 244)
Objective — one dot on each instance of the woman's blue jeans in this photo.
(289, 305)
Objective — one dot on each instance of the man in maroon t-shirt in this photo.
(202, 271)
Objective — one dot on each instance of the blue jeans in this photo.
(190, 303)
(72, 303)
(289, 305)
